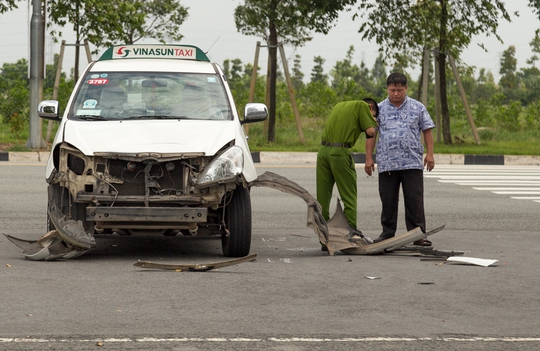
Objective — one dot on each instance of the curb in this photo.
(442, 159)
(299, 158)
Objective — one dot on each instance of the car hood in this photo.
(159, 136)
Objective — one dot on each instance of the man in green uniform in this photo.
(335, 164)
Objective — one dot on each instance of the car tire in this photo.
(237, 241)
(50, 226)
(59, 197)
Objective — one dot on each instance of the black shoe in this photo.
(379, 239)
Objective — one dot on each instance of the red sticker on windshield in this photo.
(99, 81)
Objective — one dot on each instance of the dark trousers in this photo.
(412, 184)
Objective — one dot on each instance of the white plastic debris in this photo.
(472, 261)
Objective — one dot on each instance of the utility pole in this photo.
(37, 50)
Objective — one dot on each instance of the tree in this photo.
(7, 5)
(233, 72)
(345, 70)
(535, 4)
(288, 22)
(535, 48)
(128, 21)
(378, 76)
(530, 76)
(447, 26)
(348, 78)
(14, 94)
(105, 23)
(317, 72)
(297, 75)
(62, 12)
(485, 86)
(508, 78)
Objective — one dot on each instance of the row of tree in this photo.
(504, 105)
(494, 105)
(443, 26)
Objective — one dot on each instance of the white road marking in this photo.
(507, 189)
(517, 192)
(501, 180)
(150, 340)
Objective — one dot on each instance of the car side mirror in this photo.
(48, 109)
(254, 112)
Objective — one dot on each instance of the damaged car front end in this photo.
(154, 152)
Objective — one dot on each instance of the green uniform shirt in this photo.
(347, 121)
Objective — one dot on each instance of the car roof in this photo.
(153, 65)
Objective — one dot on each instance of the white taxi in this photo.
(150, 142)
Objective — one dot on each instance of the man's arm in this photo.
(370, 146)
(429, 160)
(370, 132)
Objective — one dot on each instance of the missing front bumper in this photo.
(146, 214)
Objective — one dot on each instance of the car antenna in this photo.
(212, 45)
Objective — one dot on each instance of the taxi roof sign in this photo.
(155, 51)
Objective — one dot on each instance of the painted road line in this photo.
(507, 189)
(497, 180)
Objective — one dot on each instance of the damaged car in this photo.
(151, 143)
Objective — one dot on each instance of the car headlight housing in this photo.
(226, 166)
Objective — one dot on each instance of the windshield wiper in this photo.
(92, 117)
(156, 117)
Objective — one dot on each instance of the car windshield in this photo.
(150, 95)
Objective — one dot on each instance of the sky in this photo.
(210, 26)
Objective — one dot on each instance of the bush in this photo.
(14, 106)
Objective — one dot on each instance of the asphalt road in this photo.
(293, 296)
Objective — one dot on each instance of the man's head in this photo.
(396, 86)
(373, 106)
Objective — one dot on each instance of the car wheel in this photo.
(59, 197)
(236, 242)
(50, 226)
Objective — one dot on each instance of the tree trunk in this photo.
(421, 80)
(447, 136)
(272, 50)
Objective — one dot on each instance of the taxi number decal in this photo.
(97, 81)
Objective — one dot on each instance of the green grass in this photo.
(11, 140)
(492, 142)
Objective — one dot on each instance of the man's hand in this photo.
(429, 162)
(369, 166)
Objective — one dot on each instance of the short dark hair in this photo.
(374, 103)
(396, 78)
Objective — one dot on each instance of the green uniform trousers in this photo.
(335, 165)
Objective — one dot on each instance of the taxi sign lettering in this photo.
(144, 51)
(150, 52)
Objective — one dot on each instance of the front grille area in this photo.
(162, 178)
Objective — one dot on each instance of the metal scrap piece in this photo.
(315, 220)
(70, 230)
(49, 247)
(336, 233)
(194, 267)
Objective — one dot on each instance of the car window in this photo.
(136, 95)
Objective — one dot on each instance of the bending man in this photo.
(335, 164)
